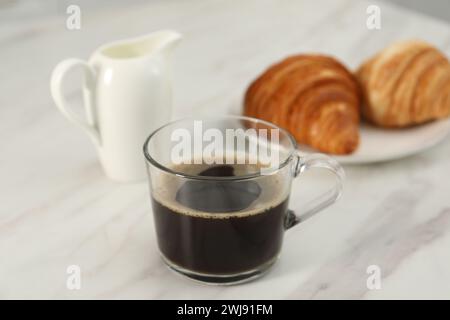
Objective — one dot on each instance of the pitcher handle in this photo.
(88, 125)
(319, 161)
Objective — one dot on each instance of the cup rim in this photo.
(269, 171)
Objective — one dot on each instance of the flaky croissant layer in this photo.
(312, 96)
(405, 84)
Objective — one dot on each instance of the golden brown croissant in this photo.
(312, 96)
(405, 84)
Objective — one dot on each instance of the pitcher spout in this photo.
(157, 42)
(166, 40)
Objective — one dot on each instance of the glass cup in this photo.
(220, 190)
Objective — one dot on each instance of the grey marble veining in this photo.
(58, 209)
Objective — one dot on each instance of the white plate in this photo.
(378, 144)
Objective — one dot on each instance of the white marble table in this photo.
(57, 208)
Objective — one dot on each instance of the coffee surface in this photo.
(218, 196)
(193, 197)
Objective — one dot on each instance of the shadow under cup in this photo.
(220, 214)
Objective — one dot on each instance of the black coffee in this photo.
(220, 227)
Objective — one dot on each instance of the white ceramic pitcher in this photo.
(127, 94)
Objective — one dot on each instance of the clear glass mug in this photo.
(219, 213)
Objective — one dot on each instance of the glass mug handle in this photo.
(313, 161)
